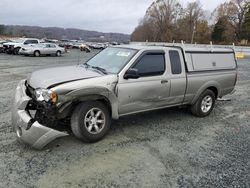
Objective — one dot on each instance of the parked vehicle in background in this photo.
(115, 43)
(66, 45)
(16, 45)
(99, 46)
(76, 45)
(42, 49)
(1, 47)
(120, 81)
(85, 48)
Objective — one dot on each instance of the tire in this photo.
(16, 51)
(204, 105)
(36, 53)
(84, 121)
(58, 53)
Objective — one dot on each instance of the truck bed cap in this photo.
(208, 49)
(186, 49)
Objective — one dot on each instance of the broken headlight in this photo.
(45, 95)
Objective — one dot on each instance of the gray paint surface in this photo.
(47, 77)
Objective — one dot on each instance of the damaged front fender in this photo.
(95, 93)
(27, 129)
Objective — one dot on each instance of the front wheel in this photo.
(36, 53)
(204, 105)
(58, 53)
(90, 121)
(16, 51)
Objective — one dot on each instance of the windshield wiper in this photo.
(86, 65)
(104, 71)
(100, 69)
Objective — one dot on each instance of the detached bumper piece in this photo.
(27, 129)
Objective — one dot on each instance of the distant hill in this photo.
(61, 33)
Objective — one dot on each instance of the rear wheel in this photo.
(204, 105)
(36, 53)
(90, 121)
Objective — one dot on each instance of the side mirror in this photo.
(131, 74)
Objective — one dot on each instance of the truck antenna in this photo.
(182, 43)
(211, 45)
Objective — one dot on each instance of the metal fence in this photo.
(238, 49)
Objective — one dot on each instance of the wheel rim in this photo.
(58, 54)
(206, 104)
(94, 121)
(37, 54)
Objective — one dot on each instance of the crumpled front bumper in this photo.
(29, 131)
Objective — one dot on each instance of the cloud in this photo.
(101, 15)
(207, 4)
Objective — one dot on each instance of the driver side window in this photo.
(151, 64)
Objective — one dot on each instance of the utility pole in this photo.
(194, 30)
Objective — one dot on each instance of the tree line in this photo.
(168, 20)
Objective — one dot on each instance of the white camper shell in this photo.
(201, 59)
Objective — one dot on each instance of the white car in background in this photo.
(15, 46)
(1, 46)
(42, 49)
(99, 46)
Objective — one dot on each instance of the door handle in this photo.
(164, 81)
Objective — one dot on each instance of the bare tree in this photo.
(194, 13)
(191, 23)
(235, 11)
(167, 20)
(162, 14)
(143, 32)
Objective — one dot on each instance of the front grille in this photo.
(8, 46)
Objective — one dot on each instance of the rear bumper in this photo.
(27, 130)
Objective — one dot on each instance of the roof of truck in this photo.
(187, 49)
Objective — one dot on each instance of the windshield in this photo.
(112, 60)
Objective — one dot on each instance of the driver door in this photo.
(150, 90)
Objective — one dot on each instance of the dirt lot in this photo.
(166, 148)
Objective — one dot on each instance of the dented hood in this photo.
(54, 76)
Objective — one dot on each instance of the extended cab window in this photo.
(152, 64)
(175, 62)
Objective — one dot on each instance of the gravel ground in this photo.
(165, 148)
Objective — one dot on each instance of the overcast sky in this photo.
(100, 15)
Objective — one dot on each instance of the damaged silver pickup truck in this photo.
(116, 82)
